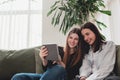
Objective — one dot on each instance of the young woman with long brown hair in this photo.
(64, 69)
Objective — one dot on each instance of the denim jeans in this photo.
(56, 72)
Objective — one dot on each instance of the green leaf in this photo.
(70, 12)
(101, 3)
(55, 4)
(100, 25)
(50, 12)
(107, 12)
(62, 8)
(103, 37)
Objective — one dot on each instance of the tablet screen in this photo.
(53, 52)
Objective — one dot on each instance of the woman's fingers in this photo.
(54, 62)
(43, 52)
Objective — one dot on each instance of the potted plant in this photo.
(67, 13)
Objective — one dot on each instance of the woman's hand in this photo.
(43, 53)
(82, 78)
(59, 62)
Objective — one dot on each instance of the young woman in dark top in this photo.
(64, 69)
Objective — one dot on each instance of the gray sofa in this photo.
(27, 60)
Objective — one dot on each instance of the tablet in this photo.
(53, 52)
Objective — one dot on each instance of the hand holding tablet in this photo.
(53, 52)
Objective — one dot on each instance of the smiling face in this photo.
(89, 36)
(73, 40)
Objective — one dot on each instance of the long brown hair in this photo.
(77, 49)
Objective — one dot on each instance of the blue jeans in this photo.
(56, 72)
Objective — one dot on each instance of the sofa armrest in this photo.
(17, 61)
(117, 64)
(39, 68)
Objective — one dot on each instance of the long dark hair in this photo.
(99, 38)
(77, 49)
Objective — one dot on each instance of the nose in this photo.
(72, 40)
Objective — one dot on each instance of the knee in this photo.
(54, 73)
(18, 76)
(59, 69)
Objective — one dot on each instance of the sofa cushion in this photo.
(16, 61)
(117, 65)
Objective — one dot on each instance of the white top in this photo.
(98, 65)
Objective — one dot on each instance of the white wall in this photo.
(115, 21)
(50, 34)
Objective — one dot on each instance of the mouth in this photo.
(72, 45)
(89, 42)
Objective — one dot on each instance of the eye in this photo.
(76, 39)
(70, 37)
(87, 34)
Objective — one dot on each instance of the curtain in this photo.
(20, 23)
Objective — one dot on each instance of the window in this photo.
(20, 23)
